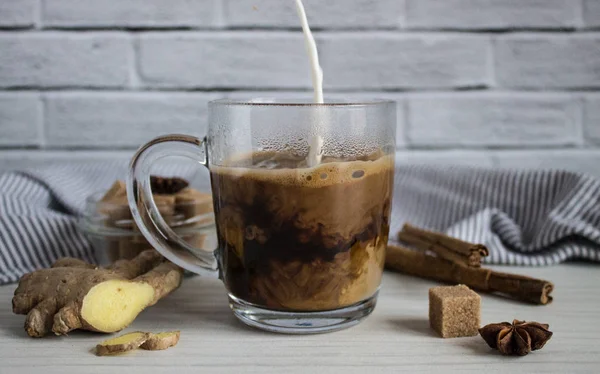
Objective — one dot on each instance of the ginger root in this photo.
(123, 343)
(160, 341)
(73, 294)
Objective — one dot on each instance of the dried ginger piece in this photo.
(121, 344)
(76, 295)
(162, 340)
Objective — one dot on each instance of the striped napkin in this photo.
(524, 217)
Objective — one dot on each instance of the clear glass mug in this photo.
(300, 249)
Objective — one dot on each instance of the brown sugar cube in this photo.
(454, 311)
(166, 208)
(192, 203)
(165, 205)
(113, 205)
(117, 191)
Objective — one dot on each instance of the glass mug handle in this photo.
(144, 209)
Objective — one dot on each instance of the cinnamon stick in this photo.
(452, 249)
(422, 265)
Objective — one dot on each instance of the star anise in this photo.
(167, 186)
(518, 338)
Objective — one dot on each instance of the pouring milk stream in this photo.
(316, 140)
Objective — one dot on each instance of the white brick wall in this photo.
(17, 13)
(591, 13)
(54, 60)
(395, 61)
(592, 120)
(548, 61)
(509, 83)
(493, 14)
(20, 120)
(119, 119)
(213, 60)
(499, 120)
(130, 13)
(351, 14)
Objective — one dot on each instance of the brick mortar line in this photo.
(31, 150)
(581, 13)
(585, 131)
(423, 150)
(38, 18)
(220, 16)
(136, 81)
(402, 19)
(408, 93)
(508, 30)
(581, 122)
(296, 31)
(491, 62)
(44, 126)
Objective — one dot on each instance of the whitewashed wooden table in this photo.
(395, 338)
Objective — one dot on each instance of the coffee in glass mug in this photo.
(301, 244)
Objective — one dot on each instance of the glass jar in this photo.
(109, 225)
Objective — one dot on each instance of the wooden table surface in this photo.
(395, 338)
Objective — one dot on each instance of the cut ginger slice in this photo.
(161, 341)
(121, 344)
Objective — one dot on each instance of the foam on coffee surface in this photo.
(290, 170)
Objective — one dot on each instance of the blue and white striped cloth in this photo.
(535, 217)
(39, 210)
(524, 217)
